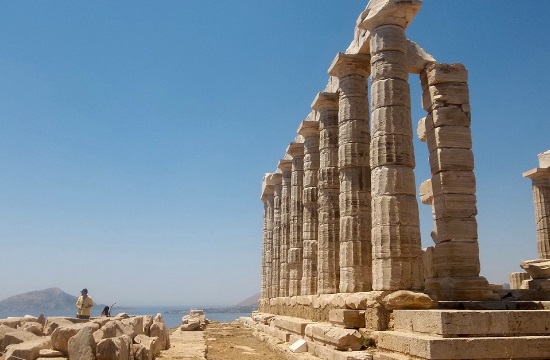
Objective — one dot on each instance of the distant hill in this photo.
(249, 302)
(40, 301)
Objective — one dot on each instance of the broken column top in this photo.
(325, 101)
(349, 63)
(543, 171)
(388, 12)
(285, 165)
(309, 128)
(295, 149)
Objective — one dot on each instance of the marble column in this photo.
(276, 248)
(352, 72)
(326, 104)
(310, 131)
(285, 166)
(540, 178)
(295, 251)
(448, 135)
(397, 253)
(267, 244)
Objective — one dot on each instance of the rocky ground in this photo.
(227, 341)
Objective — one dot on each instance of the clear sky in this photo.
(134, 134)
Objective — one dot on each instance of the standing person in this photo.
(84, 305)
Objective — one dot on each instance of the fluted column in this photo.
(286, 171)
(276, 248)
(295, 251)
(329, 214)
(352, 72)
(310, 131)
(395, 219)
(448, 135)
(267, 245)
(540, 178)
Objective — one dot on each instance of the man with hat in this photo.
(84, 305)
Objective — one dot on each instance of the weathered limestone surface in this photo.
(267, 244)
(276, 243)
(353, 164)
(328, 194)
(396, 247)
(286, 170)
(310, 131)
(295, 251)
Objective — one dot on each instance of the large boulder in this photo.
(113, 329)
(34, 327)
(61, 335)
(28, 350)
(82, 346)
(16, 337)
(114, 348)
(149, 345)
(136, 323)
(139, 352)
(53, 323)
(147, 322)
(159, 330)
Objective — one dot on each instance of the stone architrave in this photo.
(285, 166)
(448, 136)
(352, 72)
(295, 251)
(310, 131)
(397, 253)
(540, 178)
(326, 104)
(267, 198)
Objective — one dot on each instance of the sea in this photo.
(172, 316)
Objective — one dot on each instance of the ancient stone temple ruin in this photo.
(344, 275)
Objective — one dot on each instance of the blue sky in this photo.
(134, 134)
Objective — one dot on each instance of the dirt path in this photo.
(230, 341)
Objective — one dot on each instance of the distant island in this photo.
(52, 299)
(55, 299)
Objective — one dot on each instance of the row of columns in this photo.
(340, 212)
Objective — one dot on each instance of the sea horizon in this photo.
(172, 315)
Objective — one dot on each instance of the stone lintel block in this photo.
(544, 159)
(454, 182)
(387, 150)
(451, 160)
(458, 137)
(462, 323)
(391, 120)
(291, 324)
(349, 319)
(450, 93)
(537, 174)
(390, 92)
(325, 101)
(382, 12)
(400, 210)
(461, 206)
(450, 116)
(437, 73)
(416, 345)
(347, 64)
(456, 259)
(418, 58)
(309, 128)
(455, 229)
(285, 165)
(327, 353)
(377, 318)
(338, 338)
(295, 149)
(404, 299)
(421, 130)
(426, 192)
(393, 181)
(389, 65)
